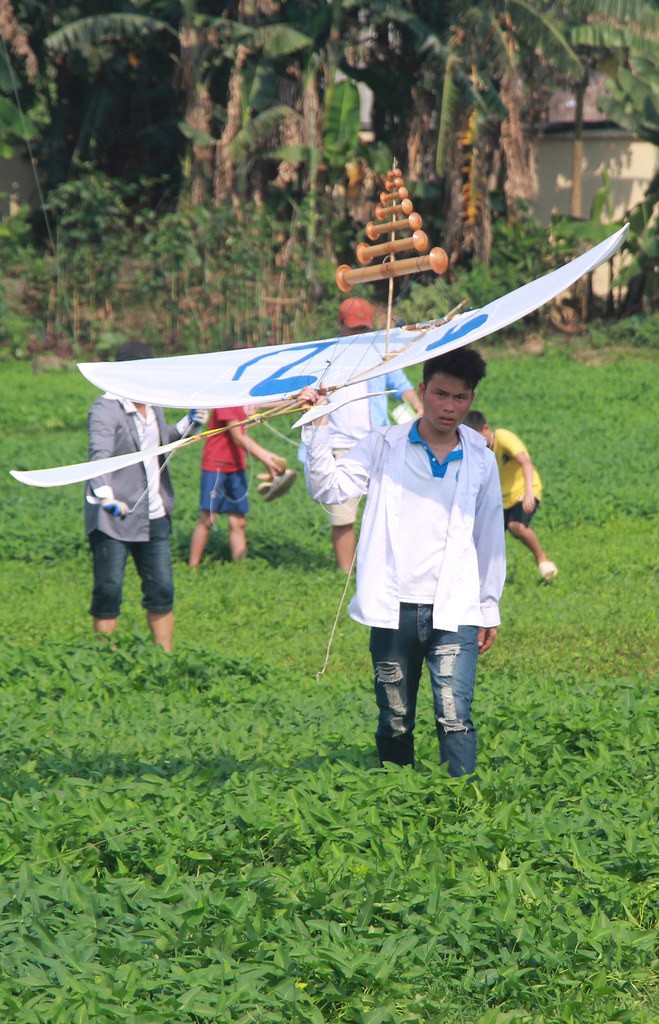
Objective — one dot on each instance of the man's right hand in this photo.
(309, 396)
(275, 464)
(119, 509)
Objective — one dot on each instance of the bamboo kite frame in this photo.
(396, 214)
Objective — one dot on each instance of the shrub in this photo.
(638, 331)
(520, 254)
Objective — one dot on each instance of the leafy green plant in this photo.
(207, 836)
(91, 218)
(522, 253)
(20, 322)
(17, 328)
(631, 332)
(15, 239)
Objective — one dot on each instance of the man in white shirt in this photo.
(431, 556)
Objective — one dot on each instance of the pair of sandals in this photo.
(273, 487)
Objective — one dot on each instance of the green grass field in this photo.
(206, 837)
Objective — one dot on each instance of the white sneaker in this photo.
(547, 570)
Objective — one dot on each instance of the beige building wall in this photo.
(631, 164)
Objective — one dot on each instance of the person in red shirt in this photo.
(224, 483)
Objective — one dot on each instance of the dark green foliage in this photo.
(223, 105)
(205, 278)
(206, 836)
(195, 279)
(521, 254)
(632, 332)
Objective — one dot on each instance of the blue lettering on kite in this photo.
(278, 383)
(459, 330)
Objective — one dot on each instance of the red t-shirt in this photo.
(221, 454)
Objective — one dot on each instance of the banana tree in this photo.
(602, 33)
(633, 103)
(489, 102)
(100, 94)
(19, 73)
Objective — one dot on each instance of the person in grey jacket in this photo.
(128, 512)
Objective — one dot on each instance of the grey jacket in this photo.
(112, 431)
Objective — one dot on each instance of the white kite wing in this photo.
(245, 376)
(59, 476)
(479, 323)
(278, 372)
(322, 410)
(254, 376)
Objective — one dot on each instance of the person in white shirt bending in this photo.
(349, 423)
(431, 560)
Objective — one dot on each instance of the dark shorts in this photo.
(224, 492)
(152, 560)
(516, 514)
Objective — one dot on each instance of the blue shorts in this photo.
(226, 493)
(152, 560)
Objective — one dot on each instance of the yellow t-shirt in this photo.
(506, 446)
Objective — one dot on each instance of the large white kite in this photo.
(278, 372)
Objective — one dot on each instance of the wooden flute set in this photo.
(394, 215)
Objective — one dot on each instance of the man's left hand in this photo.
(486, 637)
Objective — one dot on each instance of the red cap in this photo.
(356, 313)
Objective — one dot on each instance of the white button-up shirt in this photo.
(473, 564)
(148, 433)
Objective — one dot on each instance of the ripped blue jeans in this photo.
(398, 656)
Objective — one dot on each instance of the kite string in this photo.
(161, 467)
(28, 146)
(282, 437)
(336, 619)
(347, 583)
(205, 434)
(37, 182)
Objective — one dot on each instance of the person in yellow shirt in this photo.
(521, 486)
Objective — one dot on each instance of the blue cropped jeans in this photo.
(398, 656)
(153, 562)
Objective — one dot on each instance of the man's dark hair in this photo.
(133, 350)
(464, 363)
(475, 420)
